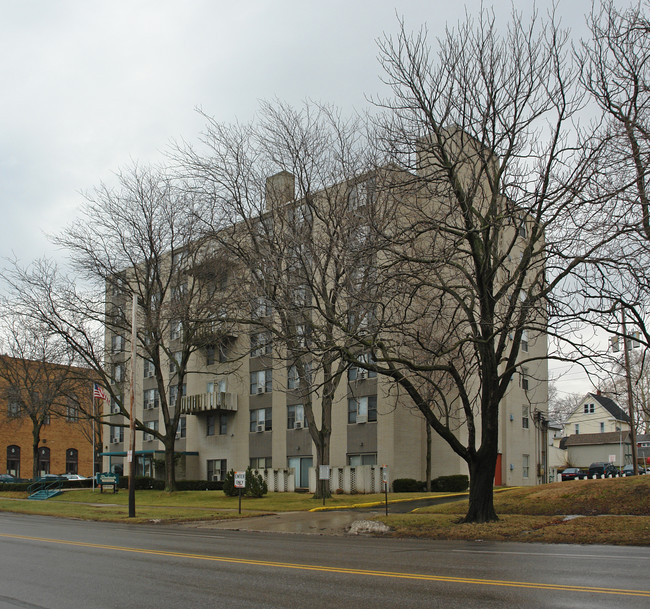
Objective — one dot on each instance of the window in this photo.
(116, 434)
(217, 469)
(173, 394)
(261, 381)
(260, 419)
(356, 373)
(117, 343)
(577, 428)
(175, 330)
(300, 214)
(302, 335)
(261, 307)
(43, 461)
(71, 461)
(118, 373)
(151, 399)
(261, 344)
(210, 422)
(524, 417)
(181, 430)
(175, 361)
(214, 420)
(524, 341)
(523, 377)
(365, 459)
(602, 427)
(210, 355)
(260, 463)
(361, 194)
(589, 408)
(115, 403)
(13, 460)
(362, 409)
(525, 465)
(521, 226)
(153, 425)
(295, 416)
(13, 407)
(293, 379)
(148, 369)
(72, 412)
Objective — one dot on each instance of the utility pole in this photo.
(628, 380)
(131, 457)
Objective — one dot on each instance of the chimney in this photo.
(280, 189)
(598, 392)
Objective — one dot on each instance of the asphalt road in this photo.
(72, 564)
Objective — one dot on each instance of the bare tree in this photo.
(137, 239)
(487, 224)
(280, 193)
(39, 379)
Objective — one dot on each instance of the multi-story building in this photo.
(252, 413)
(62, 402)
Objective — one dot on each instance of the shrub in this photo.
(229, 484)
(457, 483)
(406, 485)
(143, 483)
(199, 485)
(255, 485)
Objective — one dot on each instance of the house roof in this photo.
(586, 439)
(609, 405)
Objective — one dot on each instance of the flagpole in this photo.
(93, 432)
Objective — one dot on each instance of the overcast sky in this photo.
(88, 87)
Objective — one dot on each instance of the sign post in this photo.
(384, 479)
(240, 483)
(323, 475)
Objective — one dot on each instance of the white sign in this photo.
(612, 458)
(384, 474)
(129, 456)
(240, 479)
(324, 472)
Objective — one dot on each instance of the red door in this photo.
(498, 476)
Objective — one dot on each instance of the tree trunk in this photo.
(170, 467)
(36, 439)
(428, 485)
(481, 489)
(323, 490)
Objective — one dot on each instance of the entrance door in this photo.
(301, 466)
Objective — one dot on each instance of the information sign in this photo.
(324, 472)
(240, 479)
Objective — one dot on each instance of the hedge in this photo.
(457, 483)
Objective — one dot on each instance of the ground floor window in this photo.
(217, 469)
(13, 460)
(300, 466)
(362, 459)
(43, 461)
(260, 463)
(525, 465)
(71, 461)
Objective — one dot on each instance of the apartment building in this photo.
(242, 405)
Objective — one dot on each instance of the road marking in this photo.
(340, 570)
(555, 554)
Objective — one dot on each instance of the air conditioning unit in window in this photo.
(362, 374)
(115, 440)
(298, 425)
(259, 428)
(216, 477)
(115, 409)
(260, 390)
(362, 418)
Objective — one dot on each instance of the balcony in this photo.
(209, 402)
(216, 331)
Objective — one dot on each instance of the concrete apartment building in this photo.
(251, 413)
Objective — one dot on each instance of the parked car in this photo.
(8, 478)
(599, 468)
(73, 477)
(628, 470)
(571, 473)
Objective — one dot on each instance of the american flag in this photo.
(98, 392)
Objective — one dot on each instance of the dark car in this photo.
(628, 470)
(571, 473)
(602, 469)
(8, 478)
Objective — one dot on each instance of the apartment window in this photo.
(153, 425)
(181, 430)
(362, 459)
(260, 463)
(224, 347)
(589, 408)
(118, 373)
(71, 461)
(147, 369)
(302, 335)
(362, 409)
(356, 373)
(210, 355)
(524, 417)
(210, 421)
(525, 465)
(175, 361)
(300, 296)
(43, 461)
(216, 421)
(261, 344)
(116, 434)
(173, 394)
(13, 407)
(295, 416)
(117, 343)
(175, 330)
(217, 469)
(261, 307)
(523, 377)
(151, 399)
(524, 341)
(260, 419)
(361, 194)
(577, 429)
(521, 226)
(72, 411)
(115, 403)
(602, 427)
(293, 379)
(261, 381)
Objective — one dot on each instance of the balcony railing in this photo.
(206, 402)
